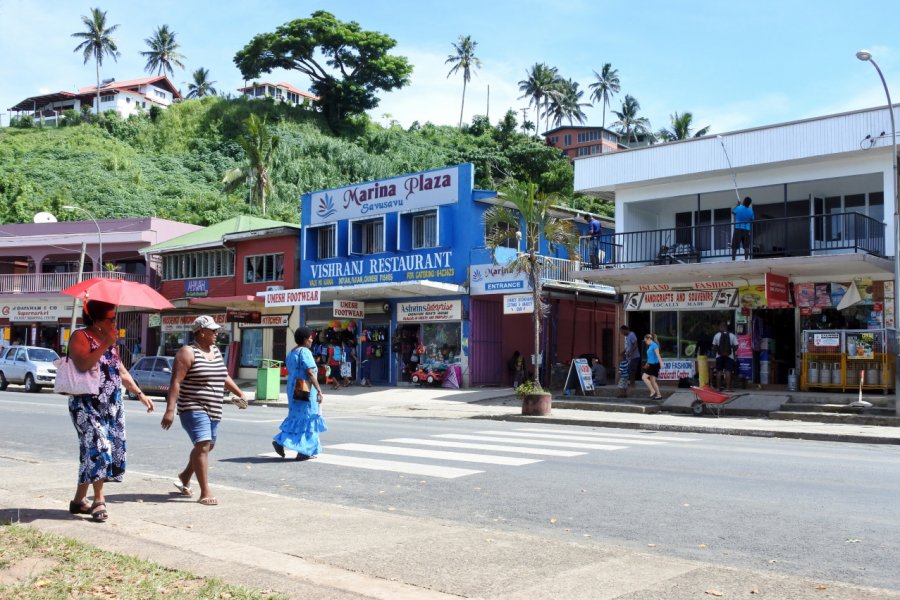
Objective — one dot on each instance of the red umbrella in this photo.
(119, 292)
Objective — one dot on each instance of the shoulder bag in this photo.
(301, 385)
(71, 381)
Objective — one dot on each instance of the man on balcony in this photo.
(594, 232)
(743, 216)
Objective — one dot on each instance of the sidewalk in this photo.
(501, 404)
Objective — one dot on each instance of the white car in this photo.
(31, 366)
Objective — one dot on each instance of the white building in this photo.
(280, 92)
(822, 191)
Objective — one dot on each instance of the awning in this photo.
(832, 267)
(384, 291)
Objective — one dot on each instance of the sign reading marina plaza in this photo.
(407, 192)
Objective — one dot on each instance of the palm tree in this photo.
(606, 86)
(201, 86)
(259, 146)
(565, 102)
(537, 87)
(629, 124)
(530, 220)
(97, 42)
(163, 52)
(681, 128)
(465, 60)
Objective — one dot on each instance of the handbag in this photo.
(72, 382)
(346, 369)
(301, 390)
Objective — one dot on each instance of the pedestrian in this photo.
(335, 357)
(633, 352)
(595, 230)
(724, 344)
(598, 373)
(99, 418)
(624, 376)
(198, 383)
(651, 367)
(516, 367)
(743, 217)
(300, 430)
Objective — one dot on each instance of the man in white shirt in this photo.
(724, 344)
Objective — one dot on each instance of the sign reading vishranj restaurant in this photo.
(390, 243)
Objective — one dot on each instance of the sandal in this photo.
(80, 508)
(98, 512)
(210, 501)
(185, 490)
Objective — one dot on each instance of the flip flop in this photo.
(185, 490)
(208, 501)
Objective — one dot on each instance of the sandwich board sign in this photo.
(581, 372)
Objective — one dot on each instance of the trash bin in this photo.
(268, 379)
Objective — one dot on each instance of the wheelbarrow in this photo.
(711, 400)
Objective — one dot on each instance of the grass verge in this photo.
(38, 566)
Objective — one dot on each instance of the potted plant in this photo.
(535, 401)
(525, 218)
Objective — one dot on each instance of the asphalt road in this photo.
(812, 509)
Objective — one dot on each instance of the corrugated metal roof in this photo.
(213, 235)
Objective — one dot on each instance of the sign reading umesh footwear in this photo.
(348, 309)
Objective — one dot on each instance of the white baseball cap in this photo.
(204, 322)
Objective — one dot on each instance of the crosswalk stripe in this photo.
(394, 466)
(513, 449)
(519, 436)
(625, 436)
(527, 442)
(438, 454)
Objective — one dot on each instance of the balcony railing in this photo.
(560, 271)
(35, 283)
(839, 233)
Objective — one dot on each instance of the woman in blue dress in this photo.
(300, 430)
(99, 418)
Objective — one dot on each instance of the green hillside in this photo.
(172, 166)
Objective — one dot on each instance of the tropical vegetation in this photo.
(463, 60)
(163, 53)
(97, 42)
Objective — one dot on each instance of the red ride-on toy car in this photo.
(429, 375)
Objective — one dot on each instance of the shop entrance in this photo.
(778, 326)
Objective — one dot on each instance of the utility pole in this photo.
(524, 110)
(75, 300)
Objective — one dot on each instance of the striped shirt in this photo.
(204, 385)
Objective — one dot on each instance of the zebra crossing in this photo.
(516, 448)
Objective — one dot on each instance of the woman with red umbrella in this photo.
(100, 418)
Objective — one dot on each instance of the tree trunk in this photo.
(536, 292)
(97, 65)
(463, 105)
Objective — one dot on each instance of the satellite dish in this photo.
(44, 217)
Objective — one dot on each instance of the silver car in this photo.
(31, 366)
(152, 374)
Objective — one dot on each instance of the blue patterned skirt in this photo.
(101, 437)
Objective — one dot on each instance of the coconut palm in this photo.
(464, 60)
(201, 86)
(529, 218)
(259, 146)
(681, 128)
(565, 102)
(537, 88)
(163, 52)
(606, 86)
(97, 43)
(629, 124)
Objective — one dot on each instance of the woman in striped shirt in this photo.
(199, 379)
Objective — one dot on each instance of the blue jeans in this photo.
(594, 249)
(199, 426)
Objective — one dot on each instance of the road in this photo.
(800, 508)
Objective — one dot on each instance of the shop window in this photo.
(251, 347)
(208, 263)
(264, 267)
(367, 237)
(321, 242)
(425, 230)
(510, 241)
(665, 326)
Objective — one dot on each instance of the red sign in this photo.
(777, 295)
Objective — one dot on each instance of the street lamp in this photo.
(99, 234)
(866, 56)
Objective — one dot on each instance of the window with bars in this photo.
(208, 263)
(424, 230)
(326, 241)
(367, 237)
(264, 267)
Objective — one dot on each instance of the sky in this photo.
(733, 64)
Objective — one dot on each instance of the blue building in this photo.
(393, 260)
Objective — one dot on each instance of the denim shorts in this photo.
(199, 426)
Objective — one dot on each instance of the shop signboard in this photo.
(673, 370)
(682, 300)
(298, 297)
(32, 312)
(429, 311)
(496, 279)
(154, 320)
(403, 193)
(436, 265)
(348, 309)
(196, 288)
(242, 316)
(518, 304)
(178, 323)
(752, 296)
(777, 295)
(826, 340)
(270, 321)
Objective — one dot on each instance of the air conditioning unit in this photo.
(274, 288)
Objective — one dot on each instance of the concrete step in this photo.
(837, 408)
(605, 404)
(845, 418)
